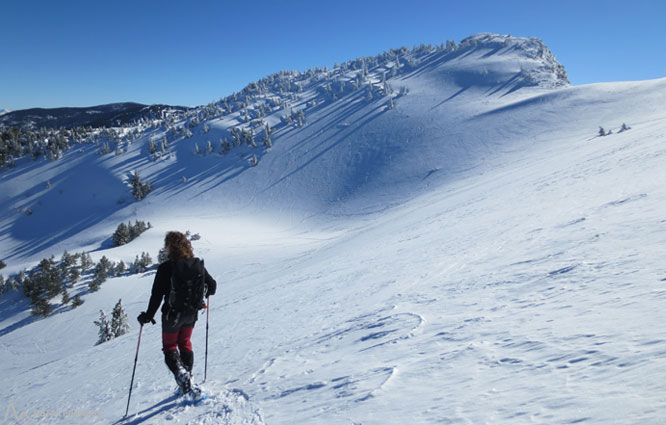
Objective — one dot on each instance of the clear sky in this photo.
(83, 53)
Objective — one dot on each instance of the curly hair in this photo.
(178, 246)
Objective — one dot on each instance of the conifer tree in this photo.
(122, 235)
(120, 268)
(74, 274)
(105, 333)
(76, 301)
(119, 324)
(86, 261)
(40, 306)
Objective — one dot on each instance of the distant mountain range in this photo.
(113, 114)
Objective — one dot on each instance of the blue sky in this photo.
(82, 53)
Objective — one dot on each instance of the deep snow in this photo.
(474, 255)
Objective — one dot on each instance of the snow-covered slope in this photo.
(476, 254)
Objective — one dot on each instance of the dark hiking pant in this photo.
(176, 333)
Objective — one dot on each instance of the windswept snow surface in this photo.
(476, 255)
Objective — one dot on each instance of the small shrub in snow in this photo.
(254, 161)
(601, 132)
(625, 127)
(76, 301)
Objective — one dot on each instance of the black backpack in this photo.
(188, 285)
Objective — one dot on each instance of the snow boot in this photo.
(187, 357)
(182, 375)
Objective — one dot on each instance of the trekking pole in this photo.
(207, 318)
(134, 370)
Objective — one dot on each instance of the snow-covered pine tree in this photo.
(602, 132)
(86, 261)
(74, 274)
(139, 189)
(119, 324)
(122, 235)
(152, 147)
(267, 137)
(145, 258)
(105, 333)
(120, 268)
(40, 305)
(76, 301)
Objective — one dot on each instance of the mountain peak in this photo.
(545, 70)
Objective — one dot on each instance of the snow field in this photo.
(476, 255)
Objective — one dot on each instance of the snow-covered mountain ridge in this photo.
(473, 253)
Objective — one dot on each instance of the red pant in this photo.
(179, 340)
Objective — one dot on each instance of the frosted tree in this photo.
(12, 284)
(267, 137)
(120, 268)
(122, 235)
(119, 324)
(3, 288)
(86, 261)
(225, 146)
(140, 189)
(602, 132)
(105, 332)
(152, 147)
(66, 261)
(74, 274)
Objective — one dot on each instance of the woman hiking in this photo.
(183, 284)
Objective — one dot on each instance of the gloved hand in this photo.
(143, 318)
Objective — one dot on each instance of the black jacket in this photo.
(162, 287)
